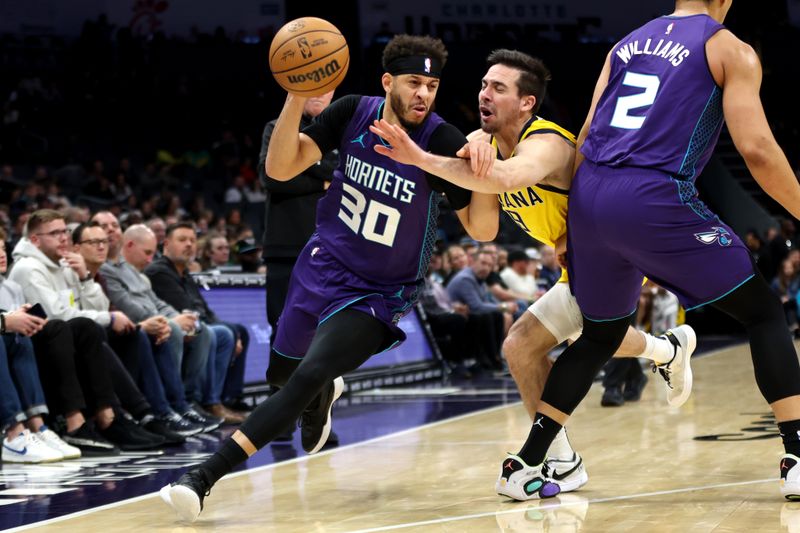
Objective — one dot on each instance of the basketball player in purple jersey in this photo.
(656, 114)
(361, 271)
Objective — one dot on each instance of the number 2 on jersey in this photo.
(353, 208)
(622, 118)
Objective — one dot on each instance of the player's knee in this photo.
(511, 348)
(280, 369)
(608, 335)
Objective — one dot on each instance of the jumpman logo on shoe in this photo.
(509, 465)
(539, 422)
(360, 140)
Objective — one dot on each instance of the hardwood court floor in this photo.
(647, 473)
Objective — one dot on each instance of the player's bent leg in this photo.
(341, 344)
(569, 381)
(525, 349)
(671, 356)
(552, 319)
(775, 364)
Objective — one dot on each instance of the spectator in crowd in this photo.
(458, 260)
(498, 288)
(159, 229)
(215, 253)
(248, 253)
(469, 287)
(551, 270)
(72, 345)
(786, 285)
(502, 259)
(144, 351)
(73, 293)
(470, 246)
(439, 267)
(517, 278)
(448, 321)
(22, 399)
(781, 243)
(172, 282)
(760, 252)
(235, 194)
(129, 290)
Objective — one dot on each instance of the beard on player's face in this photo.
(402, 112)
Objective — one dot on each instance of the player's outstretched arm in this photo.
(536, 158)
(736, 68)
(481, 218)
(290, 152)
(600, 86)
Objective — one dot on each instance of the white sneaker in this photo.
(790, 477)
(51, 438)
(678, 371)
(27, 447)
(522, 482)
(570, 474)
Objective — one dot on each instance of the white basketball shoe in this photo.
(677, 372)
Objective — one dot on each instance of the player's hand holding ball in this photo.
(309, 57)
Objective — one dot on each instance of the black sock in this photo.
(229, 456)
(543, 431)
(790, 433)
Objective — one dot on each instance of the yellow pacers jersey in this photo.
(540, 210)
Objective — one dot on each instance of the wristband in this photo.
(112, 319)
(2, 323)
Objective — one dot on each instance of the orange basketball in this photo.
(309, 56)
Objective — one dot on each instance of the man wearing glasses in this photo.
(57, 278)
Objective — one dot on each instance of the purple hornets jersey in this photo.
(379, 217)
(661, 108)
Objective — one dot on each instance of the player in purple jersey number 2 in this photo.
(626, 220)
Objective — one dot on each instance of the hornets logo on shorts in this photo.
(719, 235)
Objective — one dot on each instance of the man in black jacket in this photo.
(291, 212)
(172, 282)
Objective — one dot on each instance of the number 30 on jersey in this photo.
(352, 213)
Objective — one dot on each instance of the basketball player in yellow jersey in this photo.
(527, 161)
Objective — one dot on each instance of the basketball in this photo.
(309, 56)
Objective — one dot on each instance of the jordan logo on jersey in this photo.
(360, 140)
(719, 235)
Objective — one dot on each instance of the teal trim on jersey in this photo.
(378, 117)
(689, 199)
(395, 343)
(610, 319)
(433, 201)
(286, 356)
(348, 304)
(751, 276)
(694, 149)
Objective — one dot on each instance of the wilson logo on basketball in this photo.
(317, 74)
